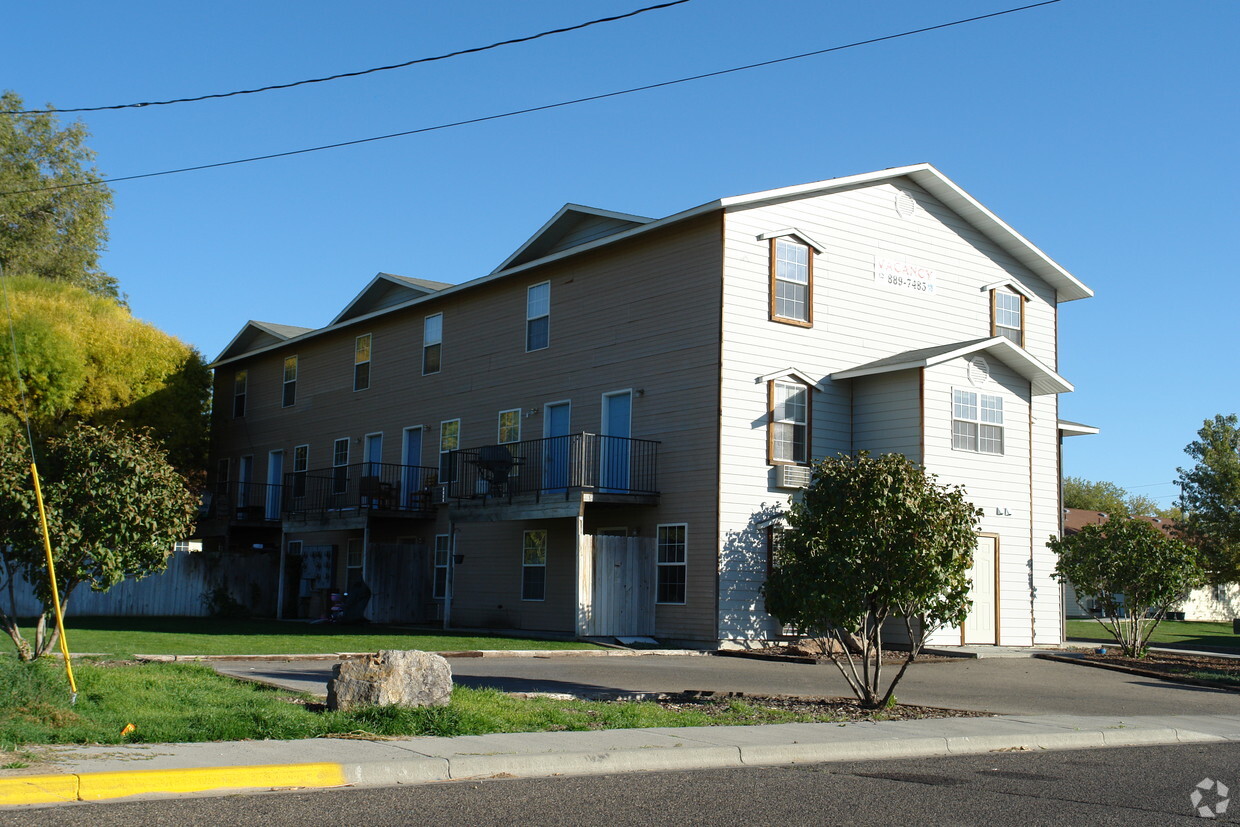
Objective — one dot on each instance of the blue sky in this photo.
(1102, 131)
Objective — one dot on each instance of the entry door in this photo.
(556, 447)
(275, 480)
(980, 625)
(374, 454)
(411, 458)
(614, 452)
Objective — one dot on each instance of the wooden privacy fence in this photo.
(616, 587)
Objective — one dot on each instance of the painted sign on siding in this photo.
(904, 275)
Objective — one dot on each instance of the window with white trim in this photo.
(361, 362)
(534, 565)
(340, 465)
(509, 426)
(443, 547)
(301, 465)
(977, 422)
(355, 561)
(788, 429)
(241, 381)
(449, 441)
(672, 569)
(432, 344)
(1008, 315)
(289, 397)
(538, 316)
(792, 281)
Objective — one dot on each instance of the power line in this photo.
(358, 73)
(532, 109)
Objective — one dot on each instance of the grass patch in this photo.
(125, 636)
(1187, 633)
(180, 702)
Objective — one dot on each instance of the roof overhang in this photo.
(1042, 380)
(1069, 428)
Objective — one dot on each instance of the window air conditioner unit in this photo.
(791, 476)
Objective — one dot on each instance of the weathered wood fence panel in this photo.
(616, 586)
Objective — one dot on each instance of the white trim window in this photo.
(789, 423)
(340, 465)
(509, 426)
(672, 579)
(1009, 309)
(289, 394)
(538, 316)
(977, 422)
(241, 381)
(361, 362)
(301, 465)
(443, 547)
(432, 344)
(449, 441)
(534, 565)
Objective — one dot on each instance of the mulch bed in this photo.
(834, 710)
(1187, 667)
(794, 654)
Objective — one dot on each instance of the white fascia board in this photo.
(1067, 428)
(1012, 283)
(1042, 380)
(801, 234)
(784, 374)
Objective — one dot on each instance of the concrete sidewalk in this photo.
(116, 772)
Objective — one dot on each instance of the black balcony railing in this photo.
(368, 486)
(551, 466)
(244, 502)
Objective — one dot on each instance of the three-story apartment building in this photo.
(597, 437)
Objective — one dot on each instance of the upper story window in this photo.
(538, 316)
(432, 343)
(509, 426)
(301, 465)
(340, 465)
(241, 380)
(788, 430)
(977, 422)
(290, 382)
(361, 363)
(792, 281)
(1007, 315)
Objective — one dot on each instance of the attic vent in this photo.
(905, 205)
(791, 476)
(979, 371)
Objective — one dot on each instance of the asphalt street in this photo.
(999, 685)
(1148, 785)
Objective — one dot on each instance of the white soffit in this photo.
(1070, 428)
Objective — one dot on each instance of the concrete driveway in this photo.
(999, 685)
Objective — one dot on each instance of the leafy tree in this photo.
(1110, 498)
(115, 507)
(83, 357)
(54, 234)
(1134, 571)
(872, 540)
(1210, 497)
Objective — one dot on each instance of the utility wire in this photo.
(529, 110)
(359, 73)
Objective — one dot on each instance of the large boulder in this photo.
(403, 678)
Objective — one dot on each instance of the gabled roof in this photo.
(572, 226)
(1042, 379)
(387, 290)
(257, 335)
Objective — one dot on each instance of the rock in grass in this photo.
(400, 677)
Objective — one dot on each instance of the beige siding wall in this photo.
(640, 316)
(857, 321)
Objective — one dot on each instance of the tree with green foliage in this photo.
(1134, 570)
(1110, 498)
(1210, 497)
(873, 540)
(84, 358)
(48, 229)
(115, 507)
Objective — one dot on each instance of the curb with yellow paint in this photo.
(102, 786)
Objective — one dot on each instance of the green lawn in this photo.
(1187, 633)
(178, 702)
(124, 636)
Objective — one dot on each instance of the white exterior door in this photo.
(556, 446)
(980, 627)
(614, 452)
